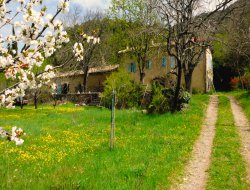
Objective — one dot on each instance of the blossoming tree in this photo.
(32, 35)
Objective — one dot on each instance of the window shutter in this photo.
(172, 60)
(134, 67)
(129, 68)
(150, 64)
(164, 62)
(59, 88)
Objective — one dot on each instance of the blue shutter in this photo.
(149, 64)
(164, 62)
(129, 68)
(172, 62)
(134, 67)
(59, 88)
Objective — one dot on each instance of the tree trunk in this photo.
(35, 100)
(21, 103)
(177, 88)
(142, 75)
(188, 81)
(85, 78)
(55, 100)
(240, 77)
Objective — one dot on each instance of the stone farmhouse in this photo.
(161, 64)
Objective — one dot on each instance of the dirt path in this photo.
(243, 126)
(195, 177)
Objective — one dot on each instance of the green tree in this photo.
(184, 32)
(232, 45)
(141, 28)
(128, 92)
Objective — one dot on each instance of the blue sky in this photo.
(52, 7)
(85, 4)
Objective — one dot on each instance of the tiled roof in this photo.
(100, 69)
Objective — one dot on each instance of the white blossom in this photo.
(16, 133)
(64, 5)
(38, 35)
(78, 51)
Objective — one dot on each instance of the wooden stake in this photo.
(112, 132)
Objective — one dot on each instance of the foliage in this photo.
(68, 148)
(162, 99)
(112, 40)
(141, 25)
(231, 47)
(128, 92)
(159, 103)
(240, 82)
(234, 83)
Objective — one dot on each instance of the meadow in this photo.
(68, 147)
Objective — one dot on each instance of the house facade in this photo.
(158, 66)
(72, 82)
(162, 64)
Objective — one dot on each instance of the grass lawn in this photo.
(68, 148)
(227, 170)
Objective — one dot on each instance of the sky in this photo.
(104, 4)
(85, 4)
(92, 3)
(100, 5)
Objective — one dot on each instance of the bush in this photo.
(162, 99)
(159, 102)
(128, 92)
(236, 82)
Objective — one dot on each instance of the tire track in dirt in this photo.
(243, 127)
(195, 176)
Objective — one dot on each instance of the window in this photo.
(149, 64)
(129, 68)
(164, 62)
(59, 88)
(132, 68)
(172, 62)
(65, 88)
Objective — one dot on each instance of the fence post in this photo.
(112, 131)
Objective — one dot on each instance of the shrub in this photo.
(246, 82)
(162, 99)
(159, 102)
(128, 92)
(236, 82)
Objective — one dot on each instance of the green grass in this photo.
(68, 148)
(244, 98)
(227, 169)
